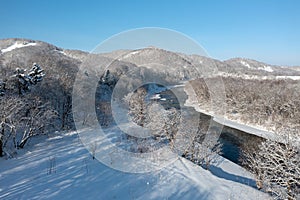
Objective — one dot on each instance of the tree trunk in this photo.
(1, 148)
(23, 142)
(1, 137)
(25, 139)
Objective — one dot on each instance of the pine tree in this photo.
(25, 81)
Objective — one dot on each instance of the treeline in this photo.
(272, 104)
(34, 104)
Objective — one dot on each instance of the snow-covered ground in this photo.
(18, 45)
(59, 167)
(258, 131)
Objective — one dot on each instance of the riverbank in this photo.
(259, 131)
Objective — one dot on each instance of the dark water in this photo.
(231, 147)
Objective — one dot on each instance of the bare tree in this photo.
(19, 115)
(204, 153)
(37, 117)
(276, 167)
(11, 109)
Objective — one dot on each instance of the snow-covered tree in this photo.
(206, 151)
(276, 167)
(108, 79)
(137, 106)
(11, 109)
(24, 81)
(163, 123)
(22, 118)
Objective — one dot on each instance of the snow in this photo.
(131, 54)
(249, 129)
(266, 68)
(61, 52)
(255, 77)
(155, 97)
(295, 78)
(246, 64)
(244, 76)
(18, 45)
(75, 175)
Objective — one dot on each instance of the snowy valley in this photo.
(76, 124)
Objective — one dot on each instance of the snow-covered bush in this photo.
(276, 167)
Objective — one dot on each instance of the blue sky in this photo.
(265, 30)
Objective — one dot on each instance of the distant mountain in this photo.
(23, 49)
(61, 67)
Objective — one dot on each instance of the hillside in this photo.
(243, 79)
(82, 91)
(59, 167)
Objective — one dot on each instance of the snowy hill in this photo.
(59, 167)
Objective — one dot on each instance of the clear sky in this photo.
(265, 30)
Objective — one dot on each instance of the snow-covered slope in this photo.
(61, 168)
(18, 45)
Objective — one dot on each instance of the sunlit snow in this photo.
(61, 168)
(266, 68)
(245, 64)
(288, 77)
(17, 45)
